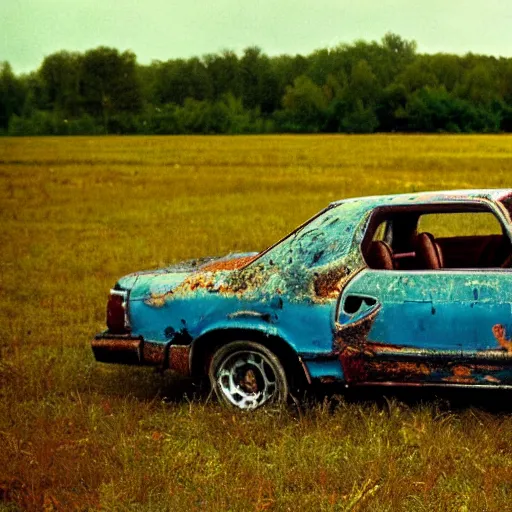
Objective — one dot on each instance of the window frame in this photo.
(386, 212)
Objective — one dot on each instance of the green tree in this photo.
(418, 74)
(305, 106)
(60, 82)
(177, 80)
(363, 85)
(224, 74)
(390, 108)
(259, 83)
(480, 85)
(109, 83)
(435, 110)
(354, 109)
(12, 95)
(360, 119)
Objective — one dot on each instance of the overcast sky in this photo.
(164, 29)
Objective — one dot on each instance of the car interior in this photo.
(436, 238)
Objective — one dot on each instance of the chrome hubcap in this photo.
(246, 379)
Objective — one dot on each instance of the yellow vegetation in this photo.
(77, 213)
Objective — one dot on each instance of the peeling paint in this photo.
(461, 375)
(330, 283)
(228, 264)
(500, 334)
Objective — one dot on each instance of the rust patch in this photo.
(198, 281)
(223, 280)
(236, 282)
(393, 370)
(328, 284)
(231, 264)
(461, 375)
(205, 279)
(362, 359)
(351, 340)
(117, 344)
(117, 350)
(500, 334)
(248, 278)
(153, 353)
(193, 282)
(389, 347)
(157, 300)
(179, 359)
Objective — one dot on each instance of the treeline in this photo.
(362, 87)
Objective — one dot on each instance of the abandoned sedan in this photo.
(412, 289)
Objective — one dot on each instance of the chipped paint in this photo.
(329, 284)
(500, 334)
(228, 264)
(461, 375)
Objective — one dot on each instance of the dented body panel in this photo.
(435, 326)
(445, 326)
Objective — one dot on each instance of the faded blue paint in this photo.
(292, 290)
(307, 328)
(326, 369)
(437, 309)
(278, 288)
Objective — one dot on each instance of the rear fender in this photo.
(253, 329)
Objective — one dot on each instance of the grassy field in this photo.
(77, 213)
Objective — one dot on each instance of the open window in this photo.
(434, 237)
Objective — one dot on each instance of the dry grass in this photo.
(78, 213)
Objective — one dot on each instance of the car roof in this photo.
(441, 196)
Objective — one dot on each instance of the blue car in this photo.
(410, 290)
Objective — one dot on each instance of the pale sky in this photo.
(164, 29)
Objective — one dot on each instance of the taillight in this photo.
(117, 320)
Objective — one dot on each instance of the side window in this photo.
(464, 239)
(434, 239)
(459, 224)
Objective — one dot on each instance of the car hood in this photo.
(150, 281)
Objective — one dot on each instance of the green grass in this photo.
(78, 213)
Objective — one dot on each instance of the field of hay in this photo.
(77, 213)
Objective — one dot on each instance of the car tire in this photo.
(246, 375)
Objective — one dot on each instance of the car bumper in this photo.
(117, 348)
(127, 349)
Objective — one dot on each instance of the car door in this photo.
(436, 326)
(488, 351)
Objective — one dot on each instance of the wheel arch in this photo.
(204, 347)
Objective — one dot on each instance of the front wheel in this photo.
(246, 375)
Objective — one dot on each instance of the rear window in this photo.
(443, 225)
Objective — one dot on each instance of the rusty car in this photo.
(408, 290)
